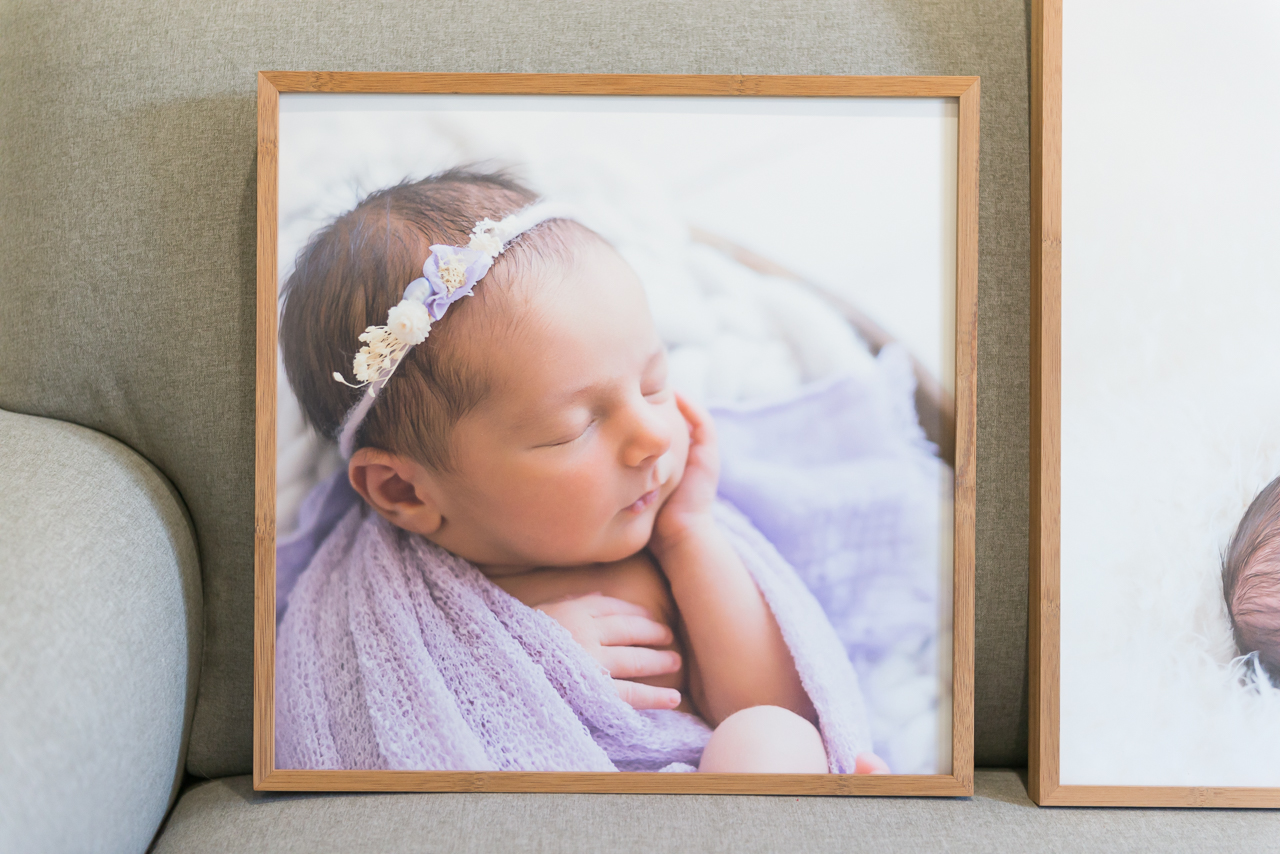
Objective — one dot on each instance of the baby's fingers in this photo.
(632, 630)
(601, 605)
(639, 696)
(631, 662)
(701, 427)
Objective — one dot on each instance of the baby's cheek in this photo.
(574, 491)
(568, 515)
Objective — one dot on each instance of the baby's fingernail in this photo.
(674, 698)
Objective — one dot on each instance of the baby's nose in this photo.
(652, 438)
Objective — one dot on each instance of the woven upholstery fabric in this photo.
(226, 815)
(99, 640)
(127, 233)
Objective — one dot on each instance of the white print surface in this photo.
(858, 195)
(1171, 383)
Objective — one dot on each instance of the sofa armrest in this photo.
(100, 631)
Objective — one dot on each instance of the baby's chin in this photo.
(626, 535)
(633, 535)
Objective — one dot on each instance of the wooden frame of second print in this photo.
(1155, 523)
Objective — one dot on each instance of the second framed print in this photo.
(1155, 611)
(616, 433)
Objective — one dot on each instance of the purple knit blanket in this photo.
(395, 654)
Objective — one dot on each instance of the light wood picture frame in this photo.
(1049, 568)
(946, 411)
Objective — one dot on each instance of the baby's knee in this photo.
(765, 740)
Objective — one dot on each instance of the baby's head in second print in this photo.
(1251, 580)
(535, 425)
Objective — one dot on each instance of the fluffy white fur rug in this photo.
(1171, 426)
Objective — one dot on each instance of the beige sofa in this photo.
(127, 229)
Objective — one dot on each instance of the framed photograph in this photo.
(1156, 504)
(615, 433)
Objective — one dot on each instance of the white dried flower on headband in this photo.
(484, 239)
(448, 275)
(409, 321)
(382, 348)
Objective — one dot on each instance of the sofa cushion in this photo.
(226, 815)
(99, 640)
(127, 233)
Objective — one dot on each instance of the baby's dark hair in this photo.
(354, 270)
(1251, 580)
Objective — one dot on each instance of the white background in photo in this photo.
(1171, 383)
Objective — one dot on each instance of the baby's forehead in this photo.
(586, 282)
(561, 353)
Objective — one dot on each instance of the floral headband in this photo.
(449, 274)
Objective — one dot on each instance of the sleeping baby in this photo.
(531, 435)
(1251, 580)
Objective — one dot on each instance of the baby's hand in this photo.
(691, 502)
(619, 634)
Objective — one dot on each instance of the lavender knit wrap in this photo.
(395, 654)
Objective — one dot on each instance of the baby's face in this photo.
(580, 441)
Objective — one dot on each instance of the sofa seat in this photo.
(227, 815)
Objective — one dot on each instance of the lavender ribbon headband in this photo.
(449, 274)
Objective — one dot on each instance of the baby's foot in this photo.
(765, 740)
(869, 763)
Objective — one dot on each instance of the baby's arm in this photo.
(740, 659)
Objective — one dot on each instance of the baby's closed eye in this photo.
(570, 434)
(654, 382)
(560, 426)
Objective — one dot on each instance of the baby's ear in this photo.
(397, 487)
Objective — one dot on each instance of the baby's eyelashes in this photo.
(570, 436)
